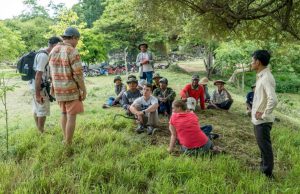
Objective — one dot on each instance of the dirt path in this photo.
(192, 66)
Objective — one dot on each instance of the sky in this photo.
(11, 8)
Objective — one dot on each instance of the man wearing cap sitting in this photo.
(249, 100)
(130, 95)
(120, 88)
(156, 78)
(68, 81)
(221, 98)
(165, 96)
(203, 83)
(194, 90)
(144, 61)
(145, 109)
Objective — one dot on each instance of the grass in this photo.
(109, 157)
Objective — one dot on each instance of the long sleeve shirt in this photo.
(265, 99)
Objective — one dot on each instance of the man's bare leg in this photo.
(70, 128)
(63, 122)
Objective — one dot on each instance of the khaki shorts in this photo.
(71, 107)
(41, 110)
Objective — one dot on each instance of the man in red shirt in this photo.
(194, 90)
(184, 126)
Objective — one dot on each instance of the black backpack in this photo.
(25, 65)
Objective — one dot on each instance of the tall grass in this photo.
(109, 157)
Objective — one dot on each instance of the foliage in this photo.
(89, 11)
(11, 44)
(32, 31)
(93, 48)
(33, 10)
(5, 87)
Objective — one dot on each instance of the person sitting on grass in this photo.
(165, 96)
(221, 98)
(130, 76)
(120, 88)
(184, 127)
(145, 109)
(194, 90)
(249, 100)
(156, 78)
(130, 95)
(203, 83)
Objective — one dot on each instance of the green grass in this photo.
(109, 157)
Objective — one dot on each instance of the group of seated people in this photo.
(145, 101)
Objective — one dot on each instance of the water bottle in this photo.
(25, 69)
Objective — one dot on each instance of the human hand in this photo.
(258, 115)
(169, 150)
(39, 99)
(82, 96)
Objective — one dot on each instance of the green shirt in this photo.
(168, 93)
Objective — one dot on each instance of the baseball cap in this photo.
(163, 80)
(191, 103)
(195, 77)
(71, 31)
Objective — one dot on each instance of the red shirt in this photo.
(197, 94)
(188, 129)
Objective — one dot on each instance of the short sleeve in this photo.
(42, 60)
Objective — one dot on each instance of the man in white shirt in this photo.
(145, 109)
(145, 62)
(264, 102)
(41, 96)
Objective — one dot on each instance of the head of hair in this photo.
(180, 104)
(54, 40)
(148, 86)
(263, 56)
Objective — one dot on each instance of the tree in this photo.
(93, 49)
(89, 11)
(11, 44)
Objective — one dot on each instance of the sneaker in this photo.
(149, 130)
(140, 129)
(105, 106)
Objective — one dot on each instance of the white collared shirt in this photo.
(265, 99)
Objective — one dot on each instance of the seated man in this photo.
(130, 95)
(203, 83)
(145, 108)
(249, 100)
(156, 78)
(130, 76)
(184, 126)
(194, 90)
(165, 96)
(120, 88)
(221, 98)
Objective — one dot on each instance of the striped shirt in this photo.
(265, 99)
(66, 70)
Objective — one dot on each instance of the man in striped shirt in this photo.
(264, 102)
(67, 78)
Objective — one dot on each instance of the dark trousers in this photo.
(262, 134)
(165, 107)
(147, 76)
(225, 105)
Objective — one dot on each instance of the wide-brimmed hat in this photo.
(145, 44)
(219, 81)
(204, 81)
(156, 75)
(195, 76)
(163, 80)
(71, 31)
(191, 103)
(130, 80)
(117, 77)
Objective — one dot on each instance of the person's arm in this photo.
(125, 101)
(121, 93)
(202, 99)
(151, 108)
(172, 139)
(38, 82)
(269, 87)
(228, 94)
(171, 95)
(77, 73)
(138, 60)
(133, 108)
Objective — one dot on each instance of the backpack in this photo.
(25, 65)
